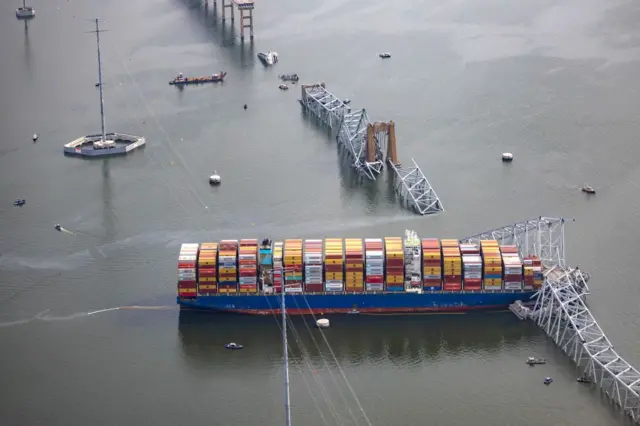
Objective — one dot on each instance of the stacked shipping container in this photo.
(207, 269)
(293, 266)
(248, 266)
(452, 265)
(277, 266)
(512, 268)
(374, 264)
(187, 270)
(431, 264)
(354, 265)
(532, 273)
(472, 267)
(265, 260)
(313, 266)
(334, 264)
(492, 265)
(412, 261)
(394, 264)
(228, 266)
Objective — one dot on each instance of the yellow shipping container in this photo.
(207, 279)
(228, 290)
(185, 291)
(206, 287)
(492, 269)
(334, 275)
(223, 271)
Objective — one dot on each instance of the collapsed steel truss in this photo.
(352, 136)
(561, 311)
(415, 189)
(541, 236)
(353, 127)
(323, 105)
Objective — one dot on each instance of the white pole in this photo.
(104, 137)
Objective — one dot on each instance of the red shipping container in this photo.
(207, 272)
(374, 279)
(187, 293)
(333, 268)
(187, 284)
(314, 288)
(248, 272)
(452, 287)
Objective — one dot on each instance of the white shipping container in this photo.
(513, 285)
(189, 245)
(432, 277)
(374, 287)
(187, 270)
(293, 289)
(493, 287)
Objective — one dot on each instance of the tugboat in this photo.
(507, 157)
(589, 190)
(268, 58)
(385, 55)
(19, 202)
(534, 361)
(25, 12)
(233, 346)
(58, 227)
(548, 381)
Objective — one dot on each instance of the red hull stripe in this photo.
(369, 311)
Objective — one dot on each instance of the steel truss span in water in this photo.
(561, 311)
(368, 145)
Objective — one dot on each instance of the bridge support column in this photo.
(246, 21)
(227, 4)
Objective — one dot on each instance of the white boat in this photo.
(35, 137)
(385, 55)
(215, 179)
(25, 11)
(268, 58)
(507, 156)
(322, 323)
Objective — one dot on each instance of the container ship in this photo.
(387, 275)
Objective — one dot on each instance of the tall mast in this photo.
(24, 4)
(285, 350)
(104, 138)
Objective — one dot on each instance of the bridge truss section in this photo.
(323, 105)
(541, 236)
(561, 312)
(412, 185)
(352, 136)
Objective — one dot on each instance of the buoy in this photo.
(245, 106)
(214, 179)
(507, 156)
(322, 323)
(35, 137)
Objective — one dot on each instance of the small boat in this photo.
(507, 157)
(385, 55)
(233, 346)
(215, 179)
(588, 189)
(353, 311)
(268, 58)
(58, 227)
(283, 87)
(98, 84)
(20, 202)
(34, 137)
(289, 77)
(25, 12)
(548, 381)
(535, 361)
(583, 380)
(213, 78)
(346, 101)
(322, 323)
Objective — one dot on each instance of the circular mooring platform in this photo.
(93, 146)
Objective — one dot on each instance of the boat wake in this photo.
(45, 317)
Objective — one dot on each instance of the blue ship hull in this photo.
(363, 303)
